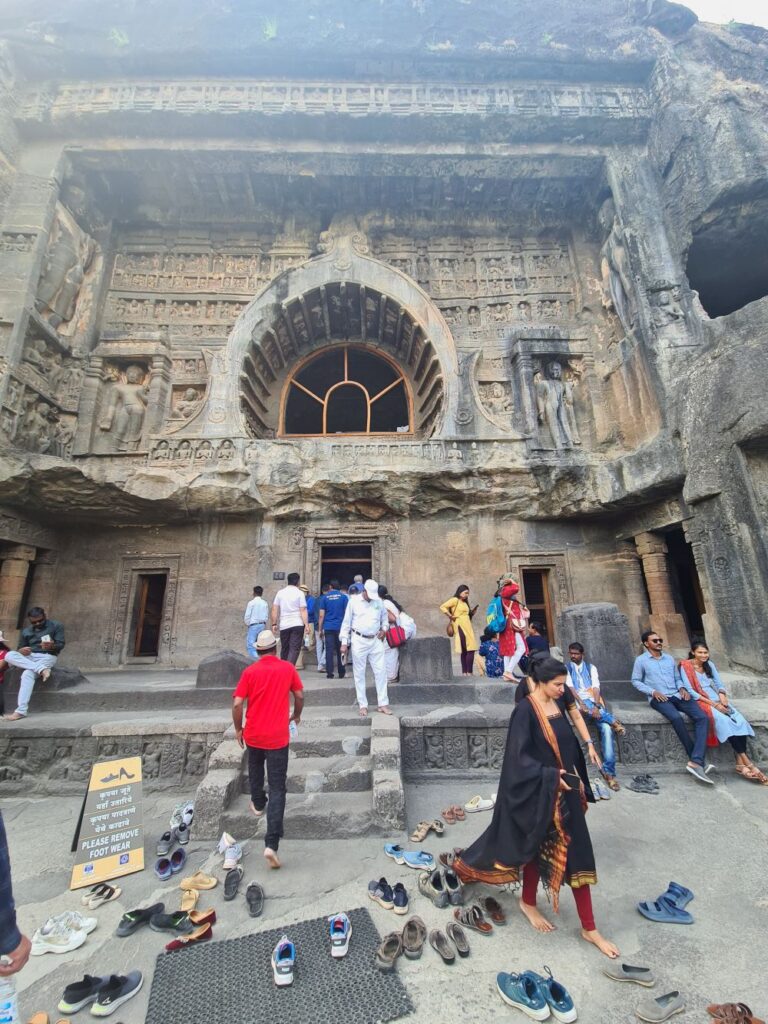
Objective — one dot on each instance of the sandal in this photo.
(493, 909)
(101, 894)
(421, 832)
(751, 772)
(472, 917)
(189, 898)
(735, 1012)
(459, 812)
(664, 912)
(449, 816)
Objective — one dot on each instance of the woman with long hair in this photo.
(539, 828)
(460, 617)
(725, 722)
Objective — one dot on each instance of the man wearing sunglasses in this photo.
(655, 675)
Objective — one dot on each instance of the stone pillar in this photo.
(13, 579)
(663, 618)
(41, 592)
(159, 395)
(86, 412)
(634, 588)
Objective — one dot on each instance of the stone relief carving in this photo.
(53, 374)
(69, 258)
(124, 406)
(554, 406)
(618, 288)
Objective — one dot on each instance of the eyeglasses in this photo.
(655, 640)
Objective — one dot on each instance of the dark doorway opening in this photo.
(148, 614)
(685, 582)
(343, 562)
(536, 595)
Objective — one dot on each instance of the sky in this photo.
(753, 12)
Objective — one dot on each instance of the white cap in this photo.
(372, 589)
(266, 640)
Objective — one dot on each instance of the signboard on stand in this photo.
(109, 841)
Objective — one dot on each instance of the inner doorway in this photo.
(536, 595)
(685, 582)
(148, 614)
(343, 562)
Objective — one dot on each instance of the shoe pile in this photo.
(62, 933)
(170, 861)
(410, 943)
(538, 997)
(669, 908)
(284, 953)
(103, 994)
(644, 784)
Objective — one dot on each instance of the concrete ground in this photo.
(711, 839)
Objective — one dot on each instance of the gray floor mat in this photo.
(232, 980)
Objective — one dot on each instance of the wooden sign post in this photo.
(110, 836)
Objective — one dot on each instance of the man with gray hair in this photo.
(365, 623)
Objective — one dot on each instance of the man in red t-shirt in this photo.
(266, 686)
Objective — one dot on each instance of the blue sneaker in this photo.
(283, 961)
(395, 852)
(340, 931)
(420, 860)
(521, 990)
(557, 996)
(381, 892)
(400, 898)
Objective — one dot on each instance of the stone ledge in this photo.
(388, 793)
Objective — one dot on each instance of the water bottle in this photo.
(9, 1004)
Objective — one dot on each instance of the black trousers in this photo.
(276, 762)
(333, 649)
(290, 643)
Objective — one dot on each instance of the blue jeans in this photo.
(671, 709)
(251, 637)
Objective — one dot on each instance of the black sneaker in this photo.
(178, 923)
(115, 992)
(80, 993)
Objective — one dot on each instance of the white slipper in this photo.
(478, 803)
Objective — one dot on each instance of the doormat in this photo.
(232, 980)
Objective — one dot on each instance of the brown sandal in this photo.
(737, 1013)
(459, 812)
(421, 832)
(751, 772)
(449, 816)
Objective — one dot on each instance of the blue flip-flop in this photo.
(665, 912)
(678, 894)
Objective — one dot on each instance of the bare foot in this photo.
(271, 857)
(602, 944)
(257, 814)
(384, 709)
(538, 921)
(363, 712)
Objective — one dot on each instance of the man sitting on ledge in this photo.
(655, 675)
(40, 644)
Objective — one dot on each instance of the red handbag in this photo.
(395, 636)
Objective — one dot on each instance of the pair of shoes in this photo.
(75, 921)
(135, 919)
(669, 907)
(233, 852)
(472, 917)
(99, 894)
(105, 994)
(167, 866)
(438, 940)
(423, 829)
(390, 898)
(536, 996)
(732, 1013)
(453, 814)
(56, 936)
(167, 841)
(479, 803)
(442, 886)
(699, 773)
(661, 1008)
(600, 790)
(419, 860)
(409, 942)
(182, 814)
(644, 784)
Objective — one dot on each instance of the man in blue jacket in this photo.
(331, 608)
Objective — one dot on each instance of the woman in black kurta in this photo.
(539, 829)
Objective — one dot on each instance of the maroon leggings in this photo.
(467, 657)
(581, 895)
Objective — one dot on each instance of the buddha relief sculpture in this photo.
(69, 256)
(551, 406)
(614, 268)
(188, 404)
(570, 382)
(126, 406)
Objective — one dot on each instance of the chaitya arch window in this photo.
(347, 389)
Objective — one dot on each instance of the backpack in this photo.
(495, 618)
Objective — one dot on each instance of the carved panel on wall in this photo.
(71, 265)
(124, 398)
(554, 389)
(117, 639)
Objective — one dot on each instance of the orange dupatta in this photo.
(688, 667)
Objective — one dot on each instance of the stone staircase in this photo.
(343, 781)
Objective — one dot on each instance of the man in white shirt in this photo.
(585, 682)
(289, 609)
(255, 618)
(363, 628)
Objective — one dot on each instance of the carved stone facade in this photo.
(500, 233)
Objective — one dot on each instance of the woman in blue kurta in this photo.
(700, 676)
(489, 649)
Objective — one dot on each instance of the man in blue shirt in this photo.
(655, 675)
(331, 609)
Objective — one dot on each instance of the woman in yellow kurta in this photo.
(460, 614)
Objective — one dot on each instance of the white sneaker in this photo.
(225, 842)
(182, 815)
(232, 856)
(54, 937)
(341, 932)
(75, 921)
(283, 960)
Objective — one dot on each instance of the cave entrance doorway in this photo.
(148, 614)
(343, 562)
(685, 582)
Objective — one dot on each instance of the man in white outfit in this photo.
(364, 626)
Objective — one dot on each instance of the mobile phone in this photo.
(45, 639)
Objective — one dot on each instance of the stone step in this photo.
(316, 740)
(311, 816)
(347, 774)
